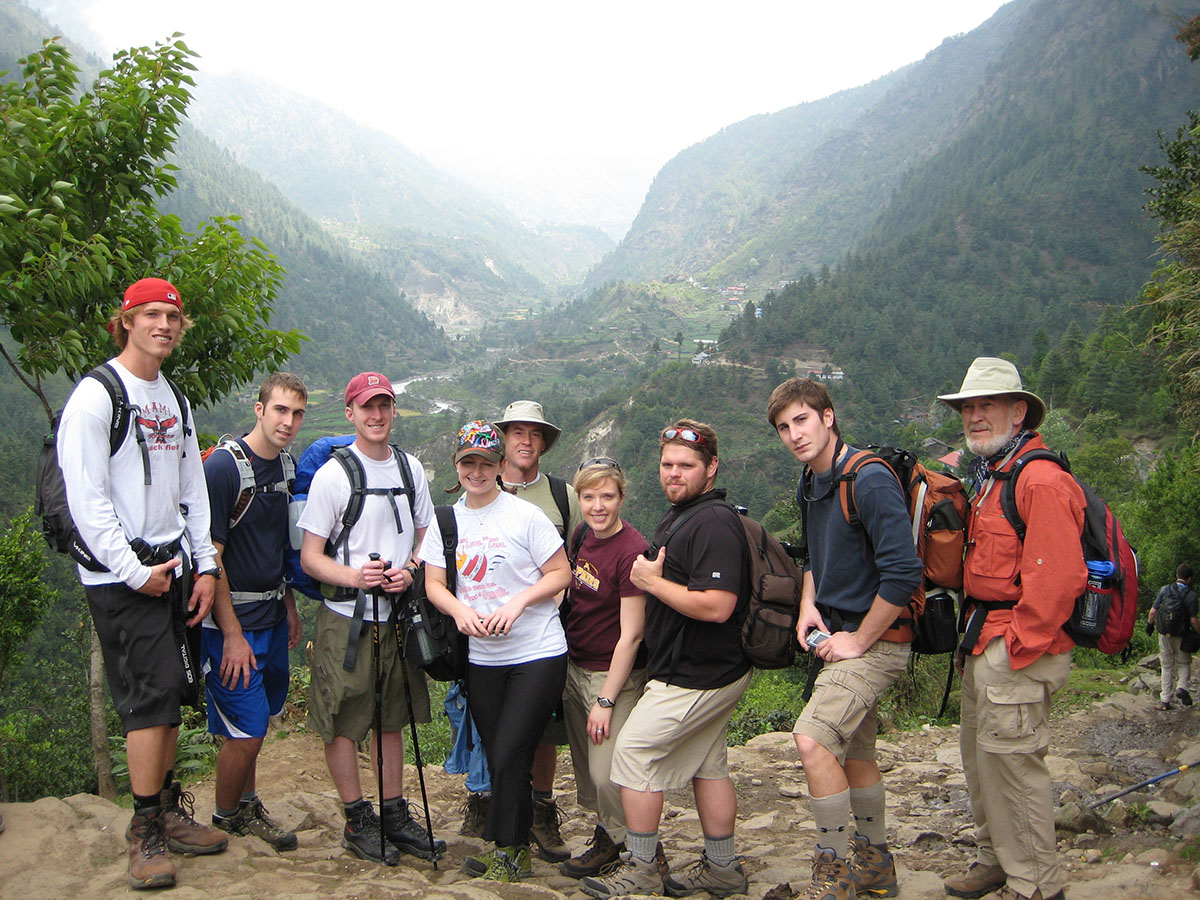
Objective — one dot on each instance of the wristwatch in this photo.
(605, 703)
(215, 572)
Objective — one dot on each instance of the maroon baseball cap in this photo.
(150, 290)
(365, 385)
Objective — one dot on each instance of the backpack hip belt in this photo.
(259, 596)
(975, 622)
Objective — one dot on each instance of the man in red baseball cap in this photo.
(371, 554)
(143, 562)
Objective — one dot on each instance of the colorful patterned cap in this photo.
(480, 439)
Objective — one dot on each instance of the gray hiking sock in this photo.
(642, 846)
(867, 805)
(832, 817)
(720, 850)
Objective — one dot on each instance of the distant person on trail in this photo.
(254, 622)
(858, 581)
(1173, 616)
(136, 498)
(1017, 655)
(394, 517)
(511, 567)
(527, 435)
(697, 590)
(606, 670)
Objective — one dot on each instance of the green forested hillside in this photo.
(1051, 105)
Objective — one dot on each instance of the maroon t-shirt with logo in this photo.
(601, 579)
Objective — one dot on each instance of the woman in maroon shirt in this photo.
(606, 668)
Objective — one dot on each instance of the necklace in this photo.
(480, 514)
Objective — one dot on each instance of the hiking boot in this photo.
(407, 833)
(184, 834)
(544, 831)
(1184, 697)
(479, 864)
(508, 865)
(603, 852)
(364, 838)
(705, 875)
(252, 819)
(830, 878)
(976, 881)
(474, 810)
(1164, 705)
(628, 876)
(150, 865)
(872, 870)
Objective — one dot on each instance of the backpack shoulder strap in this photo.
(1008, 489)
(183, 405)
(849, 475)
(581, 532)
(448, 528)
(119, 426)
(357, 478)
(685, 516)
(406, 477)
(289, 470)
(558, 489)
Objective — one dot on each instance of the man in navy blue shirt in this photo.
(858, 580)
(254, 622)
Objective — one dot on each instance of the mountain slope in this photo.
(336, 168)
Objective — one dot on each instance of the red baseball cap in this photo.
(150, 290)
(365, 385)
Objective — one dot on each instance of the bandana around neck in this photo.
(980, 468)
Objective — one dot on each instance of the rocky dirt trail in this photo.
(75, 848)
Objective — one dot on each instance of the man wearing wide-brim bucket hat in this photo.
(990, 376)
(527, 435)
(1019, 594)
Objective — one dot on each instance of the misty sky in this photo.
(597, 94)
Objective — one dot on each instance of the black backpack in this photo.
(449, 646)
(1172, 617)
(773, 610)
(358, 495)
(58, 528)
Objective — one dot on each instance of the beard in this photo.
(986, 447)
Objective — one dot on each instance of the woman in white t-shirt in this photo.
(511, 565)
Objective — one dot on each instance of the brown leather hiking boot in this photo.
(544, 831)
(830, 878)
(976, 881)
(474, 810)
(184, 834)
(601, 852)
(150, 865)
(872, 870)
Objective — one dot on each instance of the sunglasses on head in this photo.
(684, 434)
(600, 461)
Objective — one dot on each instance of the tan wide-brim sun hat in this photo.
(531, 412)
(990, 376)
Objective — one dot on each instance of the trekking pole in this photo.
(1140, 784)
(375, 557)
(412, 721)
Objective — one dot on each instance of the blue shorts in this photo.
(243, 712)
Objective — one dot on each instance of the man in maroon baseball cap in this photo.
(365, 385)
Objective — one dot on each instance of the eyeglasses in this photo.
(600, 461)
(684, 434)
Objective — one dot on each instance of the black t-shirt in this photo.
(708, 551)
(255, 550)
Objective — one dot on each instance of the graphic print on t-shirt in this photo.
(160, 426)
(586, 575)
(475, 557)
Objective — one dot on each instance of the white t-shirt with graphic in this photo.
(375, 531)
(501, 549)
(109, 499)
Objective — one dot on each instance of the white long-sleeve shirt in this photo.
(109, 500)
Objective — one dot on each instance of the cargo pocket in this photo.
(1014, 718)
